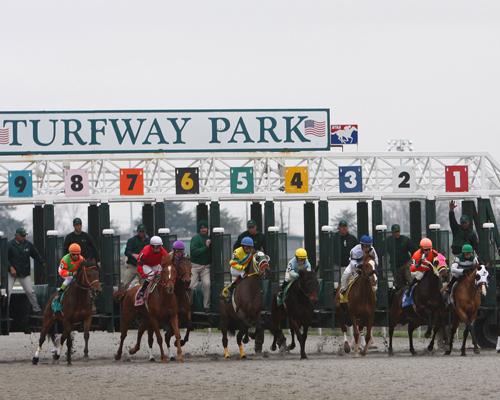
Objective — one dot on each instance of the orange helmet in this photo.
(75, 248)
(426, 243)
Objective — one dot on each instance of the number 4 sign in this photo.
(76, 182)
(457, 178)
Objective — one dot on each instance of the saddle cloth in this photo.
(141, 300)
(407, 299)
(281, 299)
(344, 297)
(56, 304)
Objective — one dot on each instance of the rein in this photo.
(86, 280)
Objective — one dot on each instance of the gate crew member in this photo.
(259, 240)
(134, 247)
(400, 249)
(89, 249)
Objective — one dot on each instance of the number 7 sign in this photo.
(131, 181)
(457, 178)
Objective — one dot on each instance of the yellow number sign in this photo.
(296, 180)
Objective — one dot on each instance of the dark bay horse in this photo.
(76, 308)
(242, 314)
(360, 306)
(466, 302)
(428, 307)
(298, 307)
(160, 305)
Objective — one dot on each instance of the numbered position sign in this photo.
(350, 179)
(131, 181)
(403, 179)
(296, 180)
(457, 178)
(76, 182)
(242, 180)
(20, 184)
(187, 181)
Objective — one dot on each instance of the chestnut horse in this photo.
(243, 312)
(360, 306)
(76, 307)
(160, 304)
(466, 302)
(298, 307)
(428, 308)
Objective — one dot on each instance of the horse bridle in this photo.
(86, 279)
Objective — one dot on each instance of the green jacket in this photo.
(134, 246)
(259, 241)
(461, 236)
(200, 253)
(342, 246)
(18, 255)
(400, 251)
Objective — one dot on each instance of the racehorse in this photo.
(76, 307)
(160, 304)
(466, 302)
(298, 307)
(428, 307)
(360, 306)
(243, 312)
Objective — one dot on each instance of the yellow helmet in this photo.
(301, 253)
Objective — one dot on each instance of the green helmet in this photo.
(467, 248)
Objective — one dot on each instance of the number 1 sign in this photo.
(457, 178)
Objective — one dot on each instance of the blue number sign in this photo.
(350, 179)
(20, 184)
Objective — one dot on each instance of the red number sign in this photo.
(457, 178)
(131, 181)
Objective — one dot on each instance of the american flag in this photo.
(4, 135)
(315, 128)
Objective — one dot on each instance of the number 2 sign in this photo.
(403, 179)
(457, 178)
(76, 182)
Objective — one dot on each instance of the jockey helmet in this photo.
(366, 239)
(247, 241)
(156, 241)
(301, 253)
(74, 248)
(426, 243)
(467, 248)
(178, 245)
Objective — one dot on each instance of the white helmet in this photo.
(156, 241)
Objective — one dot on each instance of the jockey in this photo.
(149, 262)
(242, 256)
(463, 263)
(296, 264)
(358, 252)
(421, 261)
(69, 265)
(177, 252)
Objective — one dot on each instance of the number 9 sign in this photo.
(187, 181)
(350, 179)
(20, 184)
(76, 182)
(242, 180)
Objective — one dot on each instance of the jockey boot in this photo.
(281, 292)
(227, 292)
(450, 285)
(143, 288)
(60, 291)
(410, 286)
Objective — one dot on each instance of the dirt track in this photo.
(326, 374)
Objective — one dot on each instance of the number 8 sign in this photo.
(76, 182)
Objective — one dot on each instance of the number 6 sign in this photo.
(76, 182)
(457, 178)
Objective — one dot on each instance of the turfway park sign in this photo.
(117, 131)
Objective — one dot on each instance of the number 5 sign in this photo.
(242, 180)
(76, 182)
(457, 178)
(350, 179)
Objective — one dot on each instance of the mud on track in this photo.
(205, 374)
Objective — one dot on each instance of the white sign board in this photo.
(47, 132)
(403, 179)
(76, 182)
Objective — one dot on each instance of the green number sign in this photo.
(242, 180)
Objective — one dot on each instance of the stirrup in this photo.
(225, 292)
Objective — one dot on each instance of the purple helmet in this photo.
(179, 245)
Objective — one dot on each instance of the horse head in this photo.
(87, 277)
(481, 277)
(309, 284)
(168, 277)
(184, 271)
(367, 269)
(260, 263)
(440, 267)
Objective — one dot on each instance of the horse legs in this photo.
(302, 342)
(292, 345)
(239, 336)
(223, 328)
(391, 333)
(368, 337)
(150, 345)
(174, 323)
(86, 329)
(140, 332)
(168, 336)
(69, 340)
(355, 328)
(189, 328)
(411, 328)
(474, 340)
(47, 324)
(155, 327)
(466, 333)
(124, 323)
(454, 327)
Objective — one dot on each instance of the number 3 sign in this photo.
(457, 178)
(76, 182)
(350, 179)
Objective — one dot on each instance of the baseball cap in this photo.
(77, 221)
(21, 231)
(203, 224)
(395, 228)
(141, 228)
(251, 222)
(464, 219)
(343, 222)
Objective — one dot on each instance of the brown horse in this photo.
(160, 304)
(466, 302)
(428, 308)
(76, 308)
(243, 312)
(298, 307)
(360, 306)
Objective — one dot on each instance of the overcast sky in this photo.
(423, 70)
